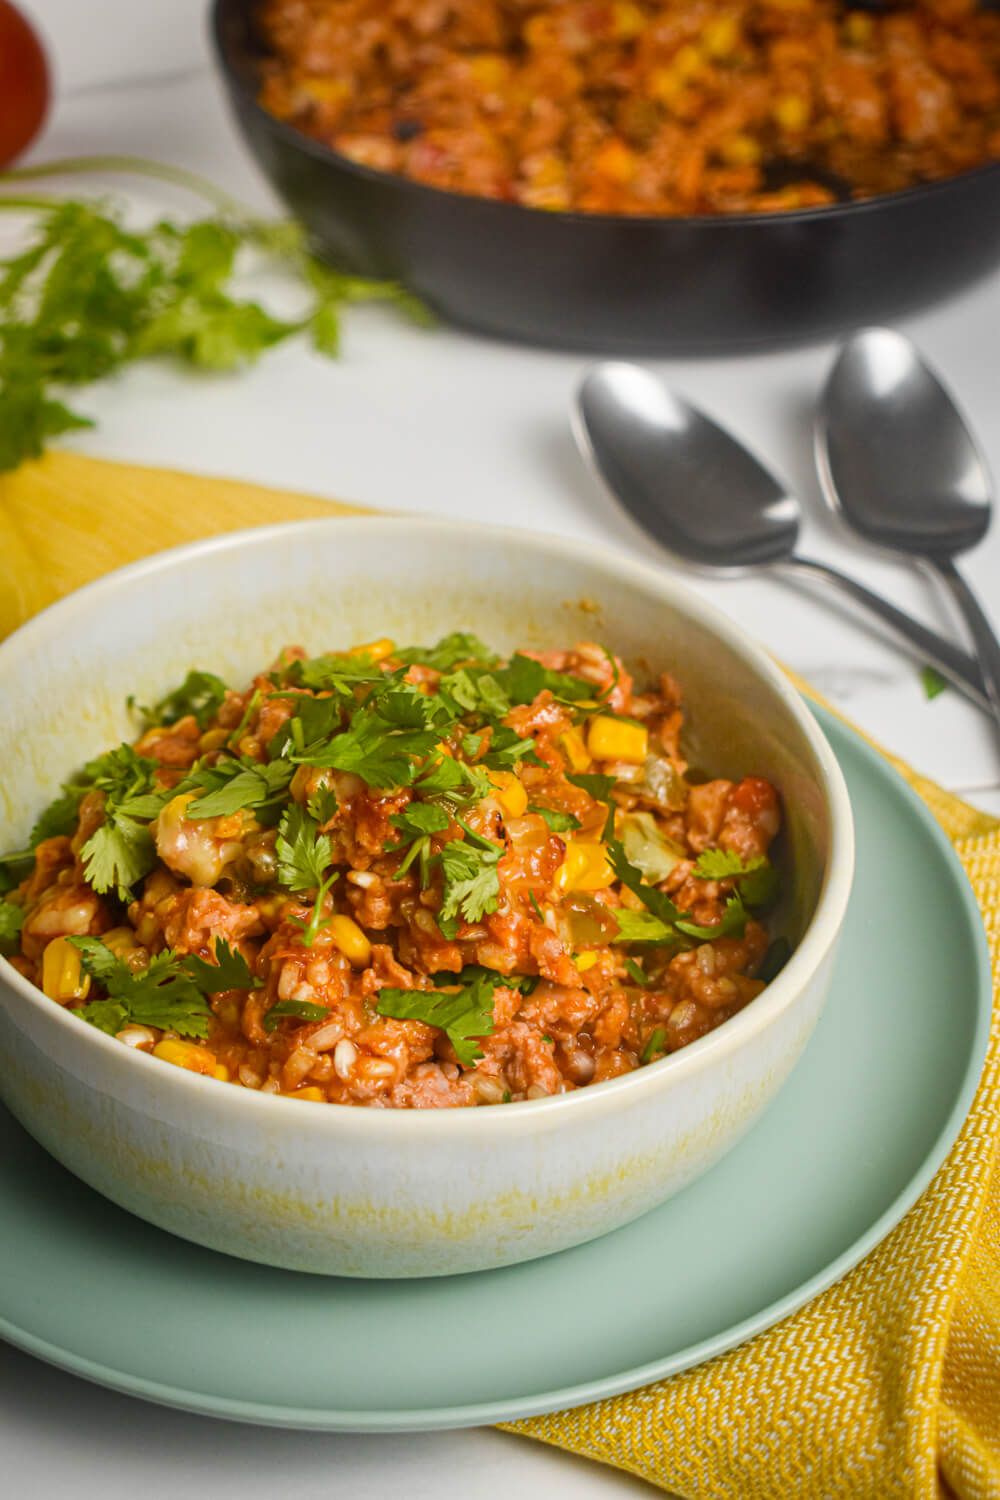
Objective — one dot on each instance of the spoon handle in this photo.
(987, 647)
(961, 669)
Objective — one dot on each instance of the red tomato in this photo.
(24, 83)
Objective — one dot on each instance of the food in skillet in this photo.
(643, 106)
(403, 877)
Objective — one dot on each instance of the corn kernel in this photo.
(489, 71)
(121, 940)
(585, 961)
(377, 650)
(213, 739)
(627, 20)
(186, 1055)
(688, 61)
(664, 85)
(512, 796)
(221, 1072)
(791, 112)
(721, 37)
(616, 162)
(585, 868)
(575, 750)
(313, 1094)
(617, 739)
(740, 151)
(327, 90)
(63, 978)
(351, 941)
(859, 28)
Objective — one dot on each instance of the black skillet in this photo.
(598, 281)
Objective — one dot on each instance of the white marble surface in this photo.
(442, 423)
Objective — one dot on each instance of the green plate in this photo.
(851, 1142)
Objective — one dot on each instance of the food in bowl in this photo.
(658, 107)
(413, 877)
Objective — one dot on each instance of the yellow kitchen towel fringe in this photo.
(888, 1384)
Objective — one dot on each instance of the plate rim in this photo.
(510, 1409)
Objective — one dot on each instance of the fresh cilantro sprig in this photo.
(417, 824)
(201, 694)
(461, 646)
(756, 878)
(11, 922)
(464, 1014)
(471, 882)
(232, 785)
(121, 851)
(88, 295)
(558, 822)
(302, 1010)
(376, 747)
(674, 922)
(304, 855)
(171, 994)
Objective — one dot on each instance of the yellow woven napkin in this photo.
(886, 1385)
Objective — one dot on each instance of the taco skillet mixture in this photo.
(413, 878)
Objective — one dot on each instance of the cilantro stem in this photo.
(138, 166)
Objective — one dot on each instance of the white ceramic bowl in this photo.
(363, 1192)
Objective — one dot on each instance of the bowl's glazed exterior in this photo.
(619, 282)
(364, 1192)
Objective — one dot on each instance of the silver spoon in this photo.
(710, 502)
(898, 462)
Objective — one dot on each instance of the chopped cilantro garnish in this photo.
(121, 851)
(641, 927)
(338, 674)
(171, 994)
(932, 682)
(201, 694)
(636, 973)
(376, 748)
(464, 1014)
(523, 983)
(304, 1010)
(11, 922)
(559, 822)
(460, 646)
(416, 824)
(322, 804)
(656, 1043)
(524, 678)
(232, 785)
(600, 788)
(674, 921)
(303, 852)
(538, 910)
(757, 878)
(59, 818)
(506, 749)
(471, 883)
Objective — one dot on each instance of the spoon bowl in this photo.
(897, 460)
(682, 478)
(710, 503)
(895, 456)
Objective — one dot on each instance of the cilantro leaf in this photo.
(524, 984)
(631, 876)
(303, 852)
(450, 650)
(559, 822)
(304, 1010)
(600, 788)
(376, 749)
(453, 781)
(655, 1043)
(757, 878)
(507, 749)
(165, 995)
(11, 922)
(229, 972)
(322, 804)
(334, 673)
(524, 678)
(59, 818)
(636, 973)
(733, 923)
(118, 854)
(641, 927)
(464, 1015)
(231, 785)
(201, 694)
(471, 882)
(421, 817)
(932, 682)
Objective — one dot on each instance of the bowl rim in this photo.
(326, 155)
(815, 946)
